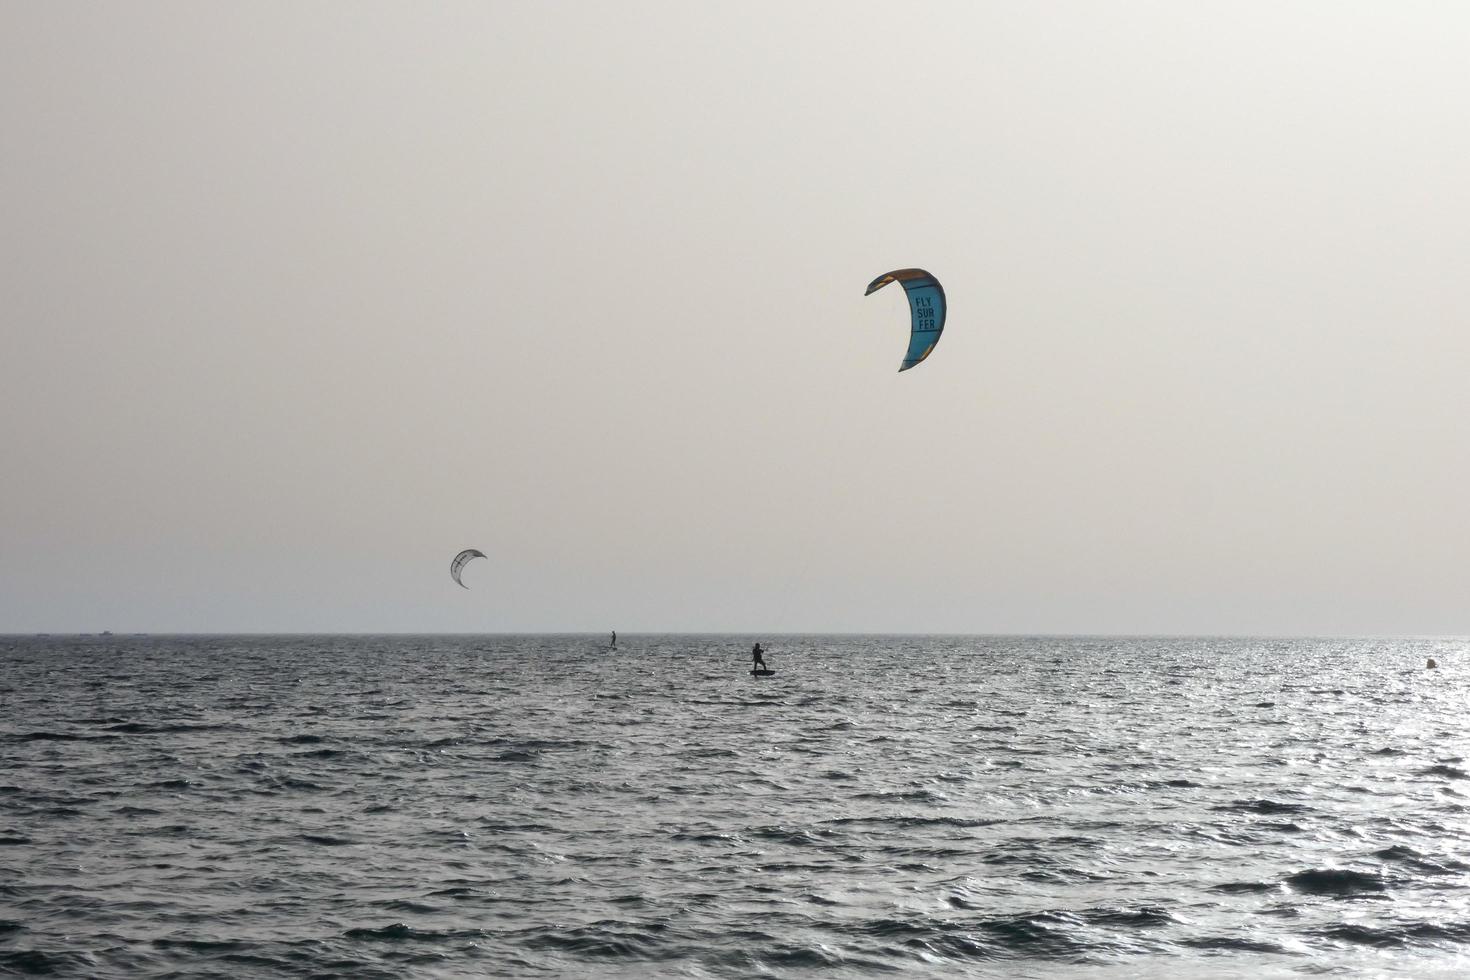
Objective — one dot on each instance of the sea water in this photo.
(442, 806)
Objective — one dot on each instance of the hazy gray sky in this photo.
(300, 299)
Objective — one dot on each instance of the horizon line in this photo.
(595, 633)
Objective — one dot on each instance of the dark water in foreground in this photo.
(535, 806)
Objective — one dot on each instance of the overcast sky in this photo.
(300, 299)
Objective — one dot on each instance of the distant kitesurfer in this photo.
(615, 640)
(757, 661)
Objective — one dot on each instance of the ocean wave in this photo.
(176, 728)
(1337, 882)
(1265, 806)
(915, 822)
(603, 940)
(44, 736)
(1447, 772)
(43, 963)
(1412, 934)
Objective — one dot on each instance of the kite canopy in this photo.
(926, 306)
(460, 560)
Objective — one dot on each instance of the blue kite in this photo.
(927, 306)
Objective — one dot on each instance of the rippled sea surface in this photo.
(389, 806)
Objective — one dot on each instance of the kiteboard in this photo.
(767, 672)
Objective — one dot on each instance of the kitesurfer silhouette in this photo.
(757, 661)
(615, 640)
